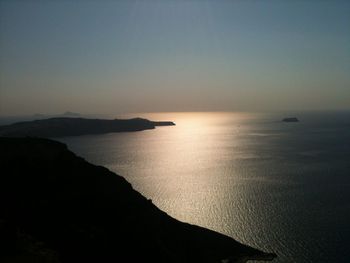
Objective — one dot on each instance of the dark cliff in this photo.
(59, 127)
(56, 207)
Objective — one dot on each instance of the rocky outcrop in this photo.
(56, 207)
(59, 127)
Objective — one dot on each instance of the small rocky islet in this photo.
(290, 119)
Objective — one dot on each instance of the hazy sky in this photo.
(132, 56)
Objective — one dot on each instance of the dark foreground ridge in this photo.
(56, 207)
(291, 119)
(60, 127)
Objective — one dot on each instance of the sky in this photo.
(106, 57)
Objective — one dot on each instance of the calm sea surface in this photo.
(281, 187)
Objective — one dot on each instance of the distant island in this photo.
(290, 119)
(58, 208)
(60, 127)
(71, 114)
(6, 120)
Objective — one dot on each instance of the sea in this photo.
(282, 187)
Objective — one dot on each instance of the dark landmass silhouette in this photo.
(56, 207)
(6, 120)
(290, 119)
(59, 127)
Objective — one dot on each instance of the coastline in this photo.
(97, 209)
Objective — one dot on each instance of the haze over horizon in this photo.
(146, 56)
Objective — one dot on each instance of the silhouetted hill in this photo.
(59, 127)
(56, 207)
(6, 120)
